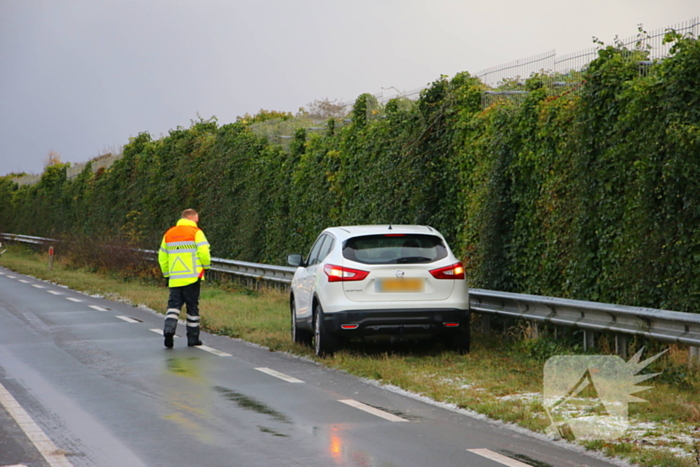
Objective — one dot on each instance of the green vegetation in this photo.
(588, 191)
(500, 378)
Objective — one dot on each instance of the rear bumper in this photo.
(365, 323)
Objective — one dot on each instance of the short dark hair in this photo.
(189, 213)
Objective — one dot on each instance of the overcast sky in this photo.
(80, 77)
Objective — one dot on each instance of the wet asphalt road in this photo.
(94, 379)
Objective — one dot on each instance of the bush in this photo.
(592, 194)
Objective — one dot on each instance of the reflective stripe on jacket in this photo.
(184, 253)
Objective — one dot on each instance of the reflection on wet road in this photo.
(188, 395)
(250, 403)
(344, 455)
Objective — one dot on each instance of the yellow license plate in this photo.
(403, 285)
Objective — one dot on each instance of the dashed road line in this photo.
(127, 319)
(35, 434)
(76, 300)
(24, 281)
(206, 348)
(279, 375)
(500, 458)
(38, 286)
(54, 292)
(369, 409)
(98, 308)
(11, 277)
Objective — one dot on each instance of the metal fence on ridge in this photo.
(551, 63)
(565, 70)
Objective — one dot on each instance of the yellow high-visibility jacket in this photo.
(184, 254)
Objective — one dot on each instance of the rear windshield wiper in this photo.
(414, 259)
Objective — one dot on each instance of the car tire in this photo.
(461, 341)
(325, 343)
(300, 336)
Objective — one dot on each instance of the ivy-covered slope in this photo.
(592, 194)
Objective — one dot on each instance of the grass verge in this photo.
(501, 378)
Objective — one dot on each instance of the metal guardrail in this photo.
(657, 325)
(266, 272)
(26, 239)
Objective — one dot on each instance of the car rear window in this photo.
(394, 249)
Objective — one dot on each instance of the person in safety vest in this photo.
(183, 257)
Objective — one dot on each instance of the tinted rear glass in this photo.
(395, 249)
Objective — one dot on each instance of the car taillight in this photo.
(455, 271)
(341, 274)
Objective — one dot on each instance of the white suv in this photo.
(379, 280)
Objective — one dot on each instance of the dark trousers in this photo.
(188, 296)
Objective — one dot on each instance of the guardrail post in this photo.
(588, 340)
(507, 323)
(694, 356)
(534, 330)
(51, 258)
(485, 324)
(621, 345)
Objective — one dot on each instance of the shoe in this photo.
(169, 340)
(194, 343)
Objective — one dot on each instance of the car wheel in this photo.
(300, 336)
(324, 342)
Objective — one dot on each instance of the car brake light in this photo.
(455, 271)
(341, 274)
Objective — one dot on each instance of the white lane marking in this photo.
(206, 348)
(11, 277)
(2, 273)
(77, 300)
(54, 292)
(160, 331)
(279, 375)
(38, 286)
(372, 410)
(23, 281)
(127, 319)
(98, 308)
(501, 459)
(42, 442)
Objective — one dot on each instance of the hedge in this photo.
(589, 192)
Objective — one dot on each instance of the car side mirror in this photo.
(295, 260)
